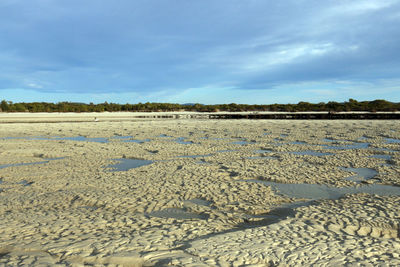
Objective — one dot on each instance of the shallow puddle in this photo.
(315, 191)
(122, 137)
(385, 149)
(177, 213)
(181, 140)
(82, 138)
(127, 164)
(311, 153)
(298, 143)
(350, 146)
(137, 141)
(262, 157)
(28, 163)
(331, 140)
(363, 174)
(199, 201)
(392, 141)
(386, 157)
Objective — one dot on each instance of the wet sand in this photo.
(195, 203)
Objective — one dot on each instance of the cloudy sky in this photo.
(208, 51)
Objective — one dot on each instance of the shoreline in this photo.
(132, 116)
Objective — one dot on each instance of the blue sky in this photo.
(208, 51)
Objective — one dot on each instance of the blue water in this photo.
(386, 157)
(315, 191)
(137, 141)
(350, 146)
(392, 141)
(127, 164)
(122, 137)
(298, 143)
(28, 163)
(82, 138)
(363, 174)
(311, 153)
(262, 157)
(181, 140)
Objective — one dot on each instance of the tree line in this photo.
(350, 105)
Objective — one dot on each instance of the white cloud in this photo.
(34, 85)
(361, 6)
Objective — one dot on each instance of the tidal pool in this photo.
(127, 164)
(349, 146)
(262, 157)
(392, 141)
(363, 174)
(122, 137)
(199, 201)
(316, 191)
(137, 141)
(386, 157)
(298, 143)
(28, 163)
(181, 140)
(82, 138)
(311, 153)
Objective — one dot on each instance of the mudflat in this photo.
(187, 192)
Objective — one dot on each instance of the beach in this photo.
(118, 190)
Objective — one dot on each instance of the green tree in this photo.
(4, 106)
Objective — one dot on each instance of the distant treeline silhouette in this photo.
(351, 105)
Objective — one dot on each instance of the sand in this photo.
(194, 211)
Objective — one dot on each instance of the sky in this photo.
(199, 51)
